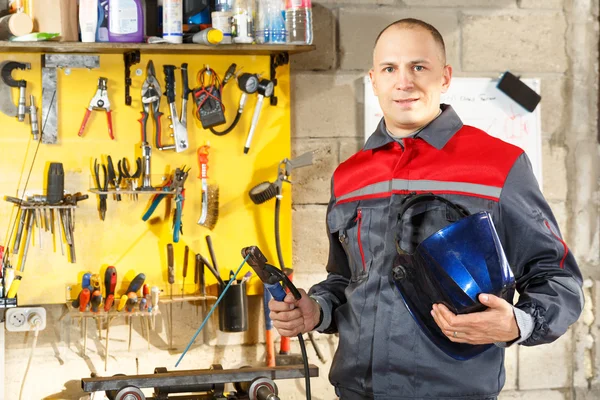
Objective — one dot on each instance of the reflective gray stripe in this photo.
(424, 185)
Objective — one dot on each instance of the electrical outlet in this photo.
(23, 319)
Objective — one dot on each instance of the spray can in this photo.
(173, 21)
(221, 20)
(208, 36)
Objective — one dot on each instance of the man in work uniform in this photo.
(421, 146)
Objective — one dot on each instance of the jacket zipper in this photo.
(360, 247)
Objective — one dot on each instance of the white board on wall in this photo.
(479, 103)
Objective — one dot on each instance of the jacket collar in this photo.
(437, 133)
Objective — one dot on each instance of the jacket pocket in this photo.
(353, 226)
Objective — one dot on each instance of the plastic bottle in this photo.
(102, 29)
(125, 21)
(242, 27)
(173, 21)
(208, 36)
(221, 20)
(271, 22)
(88, 20)
(298, 21)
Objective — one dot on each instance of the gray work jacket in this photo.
(382, 353)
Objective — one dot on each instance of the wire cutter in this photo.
(99, 102)
(130, 179)
(151, 94)
(101, 187)
(175, 185)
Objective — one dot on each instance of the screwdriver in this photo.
(136, 283)
(96, 300)
(122, 302)
(95, 305)
(129, 307)
(171, 275)
(110, 282)
(197, 274)
(84, 298)
(185, 267)
(86, 280)
(144, 321)
(154, 297)
(95, 282)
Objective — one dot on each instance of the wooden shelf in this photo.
(120, 48)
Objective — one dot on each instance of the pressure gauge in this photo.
(248, 83)
(265, 87)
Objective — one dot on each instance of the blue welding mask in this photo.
(450, 257)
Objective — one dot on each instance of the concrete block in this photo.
(511, 363)
(547, 366)
(533, 395)
(327, 105)
(554, 4)
(554, 107)
(358, 2)
(554, 172)
(349, 146)
(358, 29)
(312, 184)
(462, 3)
(561, 213)
(310, 244)
(534, 41)
(323, 58)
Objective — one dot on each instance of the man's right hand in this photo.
(292, 316)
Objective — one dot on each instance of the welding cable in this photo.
(36, 323)
(214, 307)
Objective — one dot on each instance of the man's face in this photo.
(408, 77)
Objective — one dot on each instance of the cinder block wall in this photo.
(555, 40)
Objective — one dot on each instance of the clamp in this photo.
(99, 102)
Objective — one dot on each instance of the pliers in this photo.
(151, 94)
(130, 179)
(175, 185)
(113, 180)
(99, 102)
(101, 187)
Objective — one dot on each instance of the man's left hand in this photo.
(496, 324)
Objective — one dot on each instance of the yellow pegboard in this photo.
(123, 240)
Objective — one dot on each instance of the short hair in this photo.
(413, 23)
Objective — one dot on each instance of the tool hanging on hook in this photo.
(265, 89)
(180, 136)
(99, 102)
(6, 104)
(248, 84)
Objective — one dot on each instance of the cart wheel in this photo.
(111, 394)
(130, 393)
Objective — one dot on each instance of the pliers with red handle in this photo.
(99, 102)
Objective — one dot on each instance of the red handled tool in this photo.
(110, 283)
(99, 102)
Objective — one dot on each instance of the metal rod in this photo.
(196, 377)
